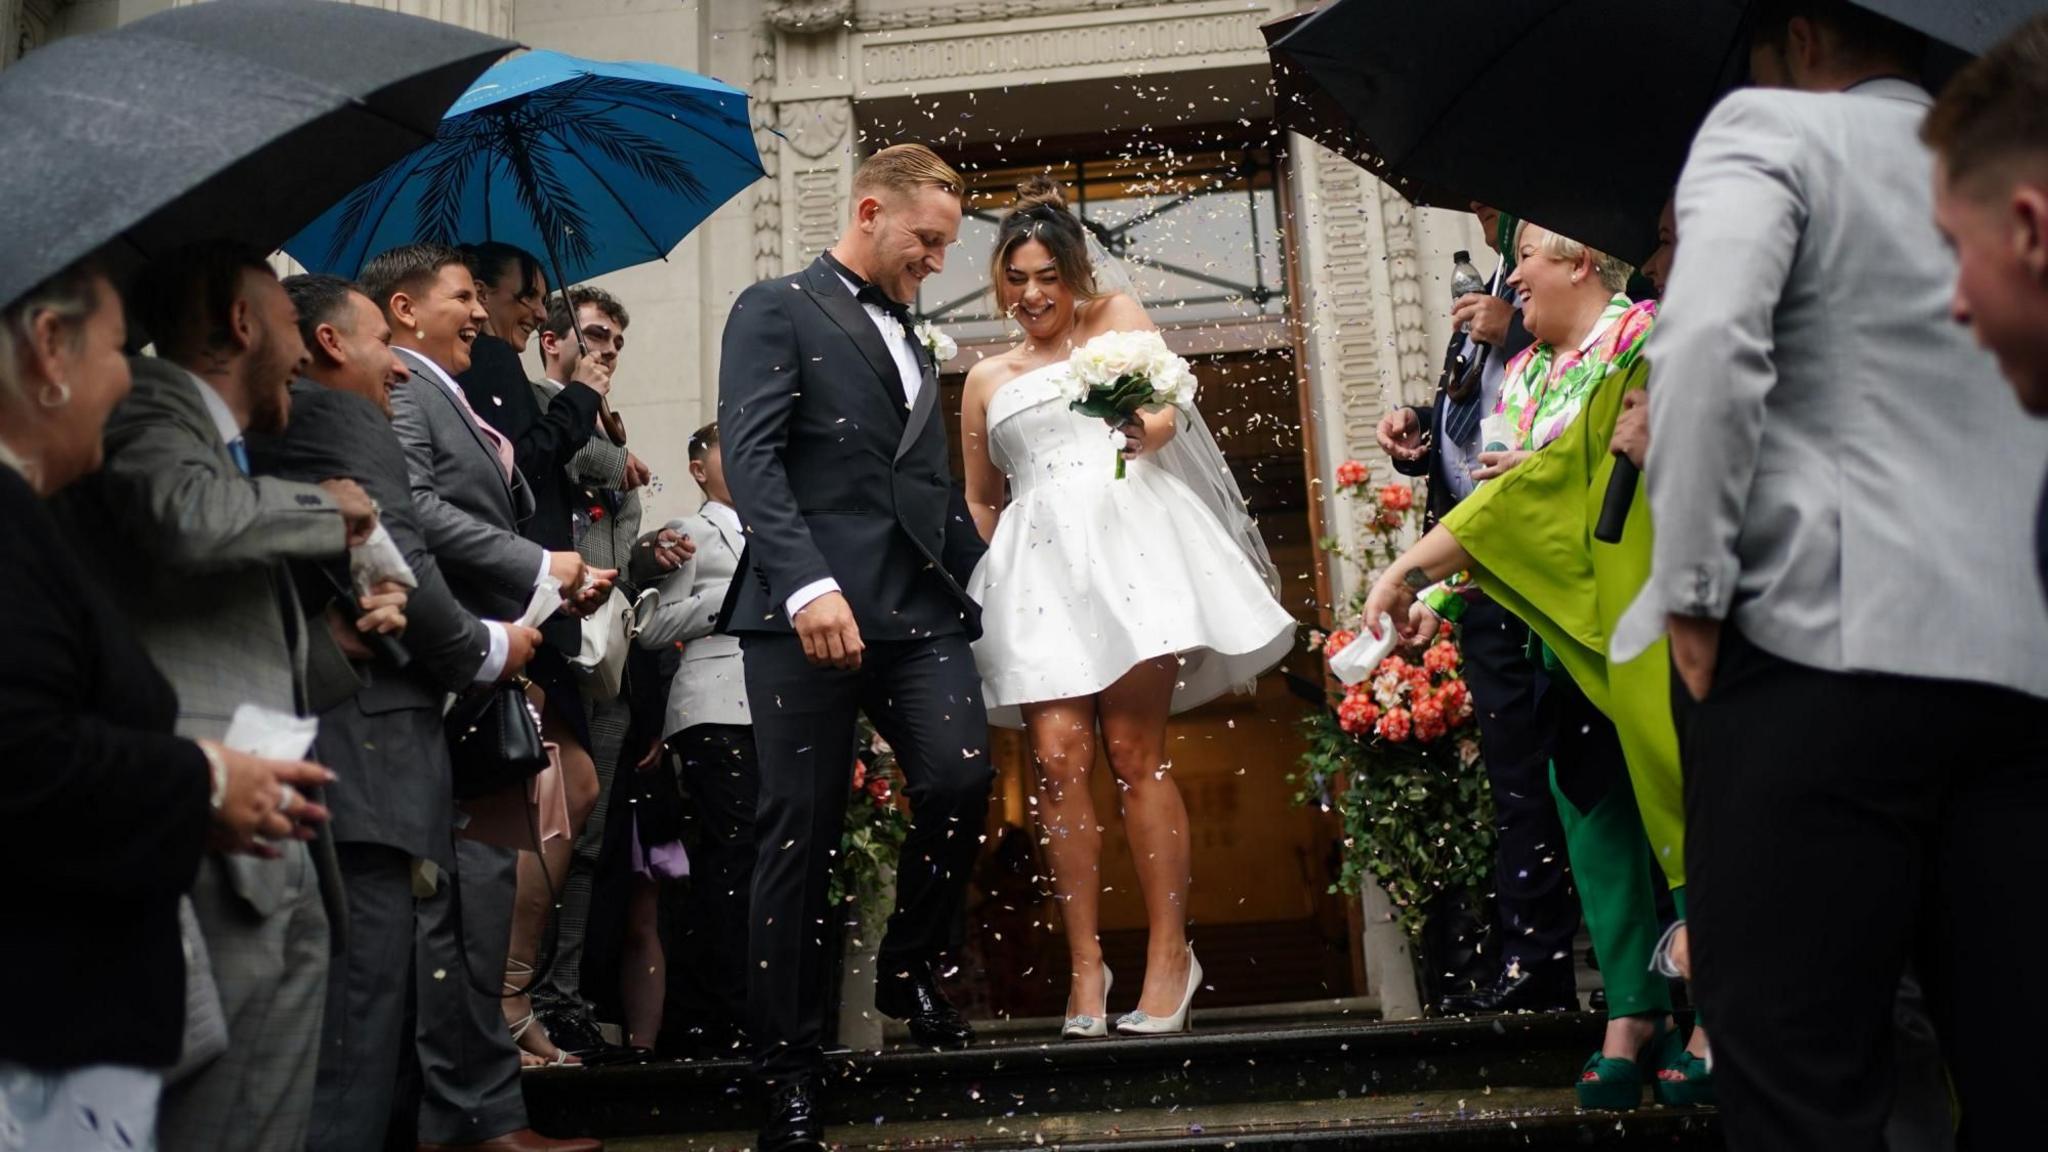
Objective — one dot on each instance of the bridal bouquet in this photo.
(1114, 375)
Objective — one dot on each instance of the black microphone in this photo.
(1621, 492)
(382, 643)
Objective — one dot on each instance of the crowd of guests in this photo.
(332, 943)
(1810, 705)
(1813, 702)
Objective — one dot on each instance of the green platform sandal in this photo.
(1683, 1080)
(1611, 1084)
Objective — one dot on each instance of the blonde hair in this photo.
(1040, 213)
(1612, 271)
(906, 168)
(72, 296)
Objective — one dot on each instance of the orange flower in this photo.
(1442, 657)
(1352, 474)
(1394, 726)
(860, 774)
(1429, 720)
(1398, 497)
(1357, 714)
(1338, 641)
(1456, 700)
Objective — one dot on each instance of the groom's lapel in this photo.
(830, 292)
(927, 398)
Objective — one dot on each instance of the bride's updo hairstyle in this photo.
(1040, 213)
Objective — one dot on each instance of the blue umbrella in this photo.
(592, 165)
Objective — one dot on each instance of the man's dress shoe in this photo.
(524, 1140)
(573, 1031)
(1545, 988)
(915, 999)
(793, 1121)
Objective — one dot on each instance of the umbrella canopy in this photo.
(592, 166)
(1576, 114)
(238, 119)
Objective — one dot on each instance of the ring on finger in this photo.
(287, 796)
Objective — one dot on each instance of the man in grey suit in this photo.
(392, 804)
(1842, 491)
(200, 546)
(469, 499)
(710, 728)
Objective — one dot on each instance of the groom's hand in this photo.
(829, 634)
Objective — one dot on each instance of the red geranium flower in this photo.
(1394, 726)
(1455, 699)
(1338, 641)
(1442, 657)
(1351, 474)
(1357, 714)
(1398, 497)
(860, 774)
(1429, 720)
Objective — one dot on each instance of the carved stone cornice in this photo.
(878, 19)
(1115, 42)
(805, 16)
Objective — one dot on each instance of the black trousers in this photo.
(924, 697)
(1517, 732)
(722, 777)
(1837, 826)
(363, 1036)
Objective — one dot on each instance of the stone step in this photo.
(1038, 1080)
(1500, 1118)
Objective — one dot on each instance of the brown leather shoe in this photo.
(524, 1140)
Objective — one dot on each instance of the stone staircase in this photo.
(1325, 1083)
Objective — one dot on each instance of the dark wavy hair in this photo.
(1040, 213)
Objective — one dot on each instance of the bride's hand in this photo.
(1138, 436)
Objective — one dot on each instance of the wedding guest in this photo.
(1532, 895)
(601, 483)
(87, 739)
(1991, 202)
(1071, 646)
(218, 613)
(710, 729)
(392, 804)
(1804, 518)
(544, 439)
(468, 496)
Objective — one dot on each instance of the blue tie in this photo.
(240, 451)
(1461, 417)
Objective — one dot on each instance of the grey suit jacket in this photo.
(1834, 464)
(469, 513)
(385, 742)
(711, 686)
(196, 552)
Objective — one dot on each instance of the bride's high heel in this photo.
(1085, 1027)
(1138, 1023)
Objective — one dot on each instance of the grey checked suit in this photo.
(199, 571)
(469, 515)
(392, 801)
(711, 686)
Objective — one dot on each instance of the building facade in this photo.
(1309, 291)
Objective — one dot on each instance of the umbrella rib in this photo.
(652, 243)
(415, 158)
(755, 163)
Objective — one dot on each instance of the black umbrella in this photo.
(1576, 114)
(238, 119)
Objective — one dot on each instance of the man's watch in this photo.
(1415, 579)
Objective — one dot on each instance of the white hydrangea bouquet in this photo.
(1114, 375)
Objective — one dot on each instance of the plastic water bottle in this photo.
(1465, 279)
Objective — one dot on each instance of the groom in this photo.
(849, 598)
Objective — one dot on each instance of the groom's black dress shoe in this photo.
(793, 1121)
(1544, 988)
(914, 998)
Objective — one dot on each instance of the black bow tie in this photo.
(869, 294)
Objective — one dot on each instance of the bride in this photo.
(1107, 604)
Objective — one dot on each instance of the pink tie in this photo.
(498, 442)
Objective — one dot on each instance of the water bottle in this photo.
(1465, 279)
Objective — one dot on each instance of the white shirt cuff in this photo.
(806, 594)
(541, 575)
(494, 660)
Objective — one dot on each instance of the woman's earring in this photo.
(55, 394)
(419, 333)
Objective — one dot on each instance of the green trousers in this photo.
(1617, 894)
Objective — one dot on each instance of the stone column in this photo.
(813, 100)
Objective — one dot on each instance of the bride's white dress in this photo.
(1089, 575)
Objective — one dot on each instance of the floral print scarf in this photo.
(1542, 391)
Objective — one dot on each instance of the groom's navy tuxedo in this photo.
(838, 476)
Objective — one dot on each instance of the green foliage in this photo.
(1417, 817)
(872, 836)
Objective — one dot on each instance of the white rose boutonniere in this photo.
(937, 343)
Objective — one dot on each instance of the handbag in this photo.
(494, 739)
(607, 637)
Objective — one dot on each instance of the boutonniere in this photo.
(937, 343)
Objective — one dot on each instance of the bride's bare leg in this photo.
(1133, 712)
(1062, 736)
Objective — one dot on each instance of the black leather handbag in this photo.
(494, 739)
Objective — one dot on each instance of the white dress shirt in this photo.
(903, 349)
